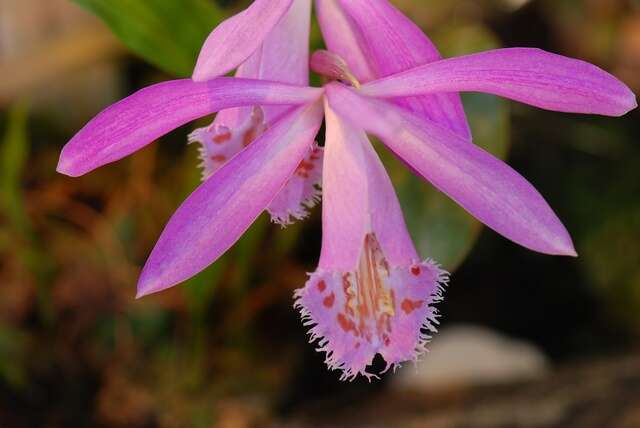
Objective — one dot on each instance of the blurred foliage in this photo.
(168, 34)
(76, 349)
(15, 147)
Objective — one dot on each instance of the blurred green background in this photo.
(226, 348)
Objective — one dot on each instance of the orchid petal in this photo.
(139, 119)
(339, 33)
(370, 294)
(216, 214)
(531, 76)
(235, 39)
(283, 57)
(485, 186)
(391, 43)
(358, 199)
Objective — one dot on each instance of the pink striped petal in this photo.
(358, 199)
(390, 43)
(214, 217)
(531, 76)
(235, 39)
(139, 119)
(485, 186)
(283, 57)
(218, 143)
(339, 33)
(370, 293)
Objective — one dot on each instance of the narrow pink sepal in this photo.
(282, 57)
(358, 198)
(531, 76)
(218, 212)
(235, 39)
(390, 43)
(150, 113)
(486, 187)
(340, 35)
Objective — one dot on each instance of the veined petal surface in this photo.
(390, 43)
(528, 75)
(282, 57)
(340, 34)
(218, 212)
(235, 39)
(486, 187)
(139, 119)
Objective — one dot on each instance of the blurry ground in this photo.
(586, 395)
(227, 349)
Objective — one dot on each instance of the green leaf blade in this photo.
(165, 33)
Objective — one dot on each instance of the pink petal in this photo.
(485, 186)
(139, 119)
(358, 199)
(370, 294)
(219, 144)
(531, 76)
(283, 57)
(339, 33)
(235, 39)
(214, 217)
(390, 43)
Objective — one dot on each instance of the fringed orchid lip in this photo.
(371, 293)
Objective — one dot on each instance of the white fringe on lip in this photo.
(427, 328)
(299, 213)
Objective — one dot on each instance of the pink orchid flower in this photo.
(277, 50)
(371, 292)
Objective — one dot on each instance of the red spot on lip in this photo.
(346, 324)
(248, 137)
(409, 306)
(304, 168)
(386, 340)
(328, 301)
(308, 166)
(322, 286)
(219, 158)
(222, 138)
(415, 270)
